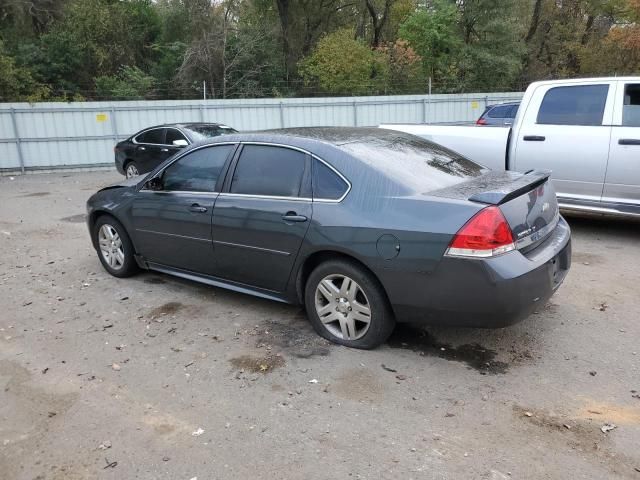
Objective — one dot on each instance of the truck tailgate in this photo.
(484, 145)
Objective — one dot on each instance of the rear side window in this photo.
(173, 135)
(327, 184)
(500, 111)
(269, 171)
(197, 171)
(631, 107)
(578, 105)
(152, 136)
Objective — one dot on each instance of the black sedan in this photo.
(145, 150)
(365, 227)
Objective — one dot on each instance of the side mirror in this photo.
(180, 143)
(154, 184)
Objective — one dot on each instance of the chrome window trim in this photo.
(180, 192)
(265, 197)
(306, 152)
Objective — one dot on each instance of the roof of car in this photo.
(336, 136)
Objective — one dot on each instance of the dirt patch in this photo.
(296, 338)
(155, 281)
(80, 218)
(36, 194)
(586, 258)
(256, 364)
(580, 434)
(358, 384)
(606, 413)
(473, 355)
(170, 308)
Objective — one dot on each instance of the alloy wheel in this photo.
(132, 171)
(343, 307)
(111, 247)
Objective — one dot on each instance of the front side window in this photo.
(631, 107)
(576, 105)
(327, 184)
(269, 171)
(197, 171)
(155, 136)
(173, 135)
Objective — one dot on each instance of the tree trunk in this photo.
(535, 21)
(378, 22)
(283, 13)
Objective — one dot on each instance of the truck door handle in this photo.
(534, 138)
(197, 208)
(629, 141)
(293, 217)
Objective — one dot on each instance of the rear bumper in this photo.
(119, 161)
(488, 293)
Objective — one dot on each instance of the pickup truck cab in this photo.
(586, 131)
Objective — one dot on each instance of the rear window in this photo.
(578, 105)
(413, 162)
(202, 132)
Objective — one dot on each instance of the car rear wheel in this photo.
(131, 170)
(114, 247)
(347, 305)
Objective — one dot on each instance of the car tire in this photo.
(131, 169)
(347, 305)
(114, 247)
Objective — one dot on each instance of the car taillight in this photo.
(481, 121)
(487, 234)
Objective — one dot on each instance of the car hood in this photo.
(128, 183)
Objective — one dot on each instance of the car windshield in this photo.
(202, 132)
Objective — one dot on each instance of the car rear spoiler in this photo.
(526, 183)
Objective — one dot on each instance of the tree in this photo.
(433, 33)
(341, 64)
(130, 83)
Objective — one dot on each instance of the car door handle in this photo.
(629, 141)
(197, 208)
(534, 138)
(293, 217)
(141, 148)
(164, 150)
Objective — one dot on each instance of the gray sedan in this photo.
(365, 227)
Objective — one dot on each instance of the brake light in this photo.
(487, 234)
(481, 121)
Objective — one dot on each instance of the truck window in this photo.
(631, 107)
(576, 105)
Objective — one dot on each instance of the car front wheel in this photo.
(114, 247)
(347, 305)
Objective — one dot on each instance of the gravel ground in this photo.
(158, 378)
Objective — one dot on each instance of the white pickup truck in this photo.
(586, 131)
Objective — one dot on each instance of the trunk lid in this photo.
(527, 201)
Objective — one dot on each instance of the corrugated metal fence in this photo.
(70, 135)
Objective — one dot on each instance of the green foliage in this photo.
(433, 34)
(130, 83)
(74, 49)
(341, 64)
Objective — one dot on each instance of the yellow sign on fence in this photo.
(101, 117)
(474, 105)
